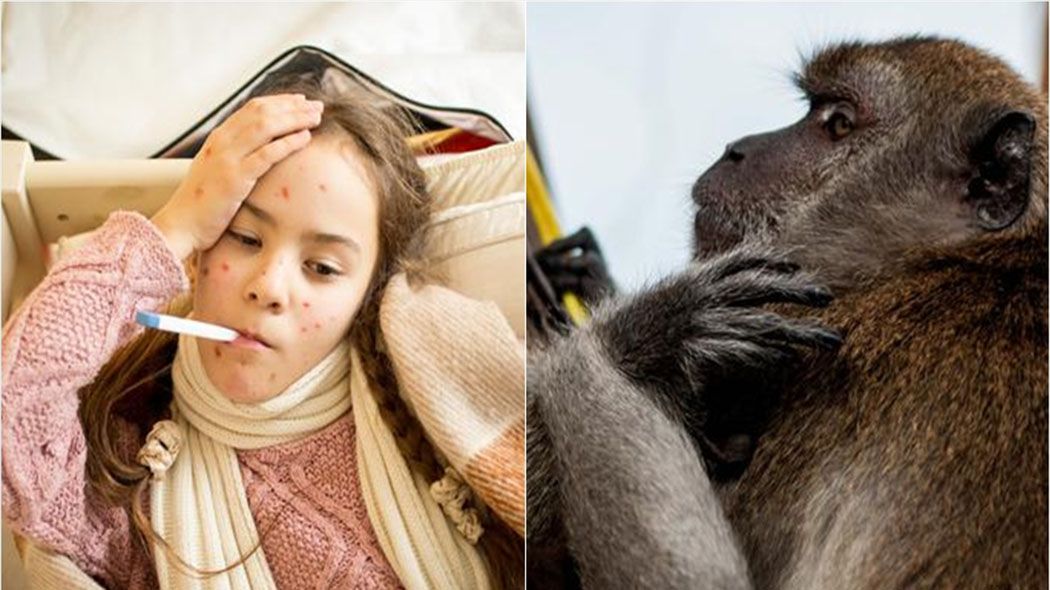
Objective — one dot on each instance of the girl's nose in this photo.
(268, 288)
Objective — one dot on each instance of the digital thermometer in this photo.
(179, 325)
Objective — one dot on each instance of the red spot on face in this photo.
(204, 271)
(322, 187)
(198, 192)
(306, 304)
(218, 353)
(302, 330)
(317, 325)
(284, 192)
(225, 267)
(207, 152)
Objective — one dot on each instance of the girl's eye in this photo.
(322, 269)
(245, 239)
(838, 126)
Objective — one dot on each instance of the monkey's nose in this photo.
(733, 153)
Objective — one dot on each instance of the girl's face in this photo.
(290, 271)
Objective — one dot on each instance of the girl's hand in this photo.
(234, 156)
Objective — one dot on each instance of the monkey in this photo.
(912, 455)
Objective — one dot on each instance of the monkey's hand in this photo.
(701, 337)
(575, 264)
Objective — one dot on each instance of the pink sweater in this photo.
(305, 493)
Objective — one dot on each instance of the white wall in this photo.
(631, 102)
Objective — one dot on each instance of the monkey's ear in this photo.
(1002, 158)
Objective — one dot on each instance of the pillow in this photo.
(477, 242)
(477, 176)
(479, 251)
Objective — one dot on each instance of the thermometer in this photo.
(179, 325)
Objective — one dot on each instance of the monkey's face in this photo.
(760, 179)
(909, 143)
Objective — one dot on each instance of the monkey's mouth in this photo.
(711, 237)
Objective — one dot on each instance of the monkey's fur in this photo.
(914, 455)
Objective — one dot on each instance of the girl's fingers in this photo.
(259, 108)
(262, 159)
(271, 120)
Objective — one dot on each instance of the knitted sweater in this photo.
(304, 495)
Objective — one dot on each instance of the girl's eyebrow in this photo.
(258, 212)
(320, 237)
(334, 239)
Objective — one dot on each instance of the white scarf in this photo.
(210, 524)
(199, 506)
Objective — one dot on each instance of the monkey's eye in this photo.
(838, 125)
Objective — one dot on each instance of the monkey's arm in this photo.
(619, 480)
(613, 474)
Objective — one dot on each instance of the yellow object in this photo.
(424, 142)
(547, 226)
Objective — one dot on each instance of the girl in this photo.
(196, 463)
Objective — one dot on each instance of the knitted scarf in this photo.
(199, 506)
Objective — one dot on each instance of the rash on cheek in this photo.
(284, 193)
(225, 267)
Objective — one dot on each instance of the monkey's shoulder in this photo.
(943, 302)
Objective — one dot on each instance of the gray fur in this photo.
(678, 537)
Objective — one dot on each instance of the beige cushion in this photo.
(479, 250)
(478, 233)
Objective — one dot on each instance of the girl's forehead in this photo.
(329, 152)
(325, 184)
(332, 162)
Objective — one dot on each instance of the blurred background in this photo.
(629, 103)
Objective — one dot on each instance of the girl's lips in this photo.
(247, 341)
